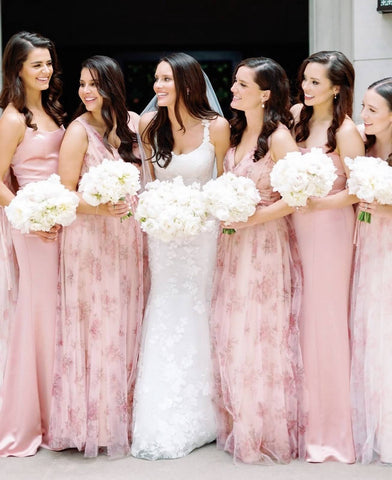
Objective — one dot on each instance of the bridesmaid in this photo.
(371, 304)
(101, 278)
(31, 131)
(325, 238)
(253, 322)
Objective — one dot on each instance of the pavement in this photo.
(206, 463)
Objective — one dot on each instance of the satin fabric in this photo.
(27, 383)
(325, 241)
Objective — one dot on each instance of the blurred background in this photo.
(218, 33)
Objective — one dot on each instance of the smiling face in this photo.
(376, 114)
(316, 85)
(37, 70)
(164, 85)
(88, 92)
(246, 92)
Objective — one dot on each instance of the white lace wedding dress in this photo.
(173, 412)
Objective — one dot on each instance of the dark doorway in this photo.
(219, 33)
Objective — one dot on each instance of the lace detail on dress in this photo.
(173, 410)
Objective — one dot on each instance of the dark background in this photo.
(218, 33)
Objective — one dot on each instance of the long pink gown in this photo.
(371, 337)
(255, 340)
(97, 343)
(26, 391)
(325, 240)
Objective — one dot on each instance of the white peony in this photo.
(41, 205)
(172, 211)
(231, 198)
(110, 181)
(370, 180)
(299, 176)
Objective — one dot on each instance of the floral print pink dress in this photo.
(98, 329)
(256, 353)
(371, 341)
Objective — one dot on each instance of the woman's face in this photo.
(88, 92)
(376, 114)
(317, 87)
(164, 85)
(37, 70)
(246, 92)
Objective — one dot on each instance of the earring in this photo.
(335, 96)
(262, 105)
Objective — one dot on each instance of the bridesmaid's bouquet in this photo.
(231, 198)
(370, 179)
(299, 176)
(110, 181)
(172, 211)
(41, 205)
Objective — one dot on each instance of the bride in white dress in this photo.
(173, 411)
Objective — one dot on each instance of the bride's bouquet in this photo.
(110, 181)
(231, 198)
(41, 205)
(172, 211)
(299, 176)
(370, 179)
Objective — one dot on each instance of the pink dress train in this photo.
(325, 240)
(371, 337)
(255, 340)
(97, 343)
(26, 391)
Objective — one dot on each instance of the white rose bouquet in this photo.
(171, 210)
(370, 180)
(41, 205)
(231, 198)
(299, 176)
(110, 181)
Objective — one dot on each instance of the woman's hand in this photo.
(49, 236)
(119, 209)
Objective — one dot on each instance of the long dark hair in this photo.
(268, 75)
(191, 88)
(15, 54)
(109, 79)
(384, 88)
(340, 72)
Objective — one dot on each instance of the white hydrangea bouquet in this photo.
(299, 176)
(172, 211)
(110, 181)
(231, 198)
(370, 180)
(41, 205)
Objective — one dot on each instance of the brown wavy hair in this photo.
(384, 88)
(109, 78)
(268, 75)
(191, 88)
(340, 72)
(15, 54)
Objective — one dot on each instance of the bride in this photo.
(173, 411)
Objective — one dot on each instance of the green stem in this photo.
(365, 216)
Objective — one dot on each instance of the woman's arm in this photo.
(220, 138)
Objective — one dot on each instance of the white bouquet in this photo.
(231, 198)
(171, 210)
(41, 205)
(110, 181)
(299, 176)
(370, 179)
